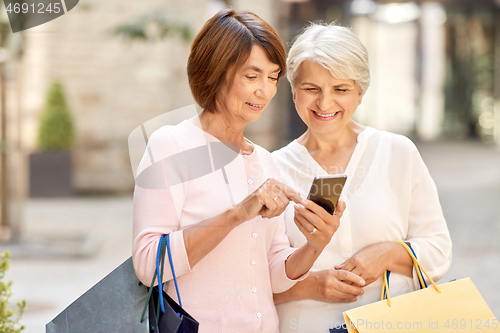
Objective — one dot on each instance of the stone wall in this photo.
(113, 85)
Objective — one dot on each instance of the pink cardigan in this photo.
(231, 289)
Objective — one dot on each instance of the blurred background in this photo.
(72, 90)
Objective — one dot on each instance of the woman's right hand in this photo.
(335, 286)
(316, 224)
(332, 286)
(268, 201)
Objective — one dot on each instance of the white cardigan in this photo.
(231, 288)
(390, 196)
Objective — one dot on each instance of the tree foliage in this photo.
(155, 25)
(9, 319)
(56, 132)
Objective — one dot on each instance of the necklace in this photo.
(247, 152)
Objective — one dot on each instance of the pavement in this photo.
(97, 231)
(467, 175)
(50, 281)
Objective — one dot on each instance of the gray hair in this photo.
(334, 47)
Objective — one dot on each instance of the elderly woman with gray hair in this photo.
(389, 193)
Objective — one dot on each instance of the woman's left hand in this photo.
(316, 223)
(369, 263)
(372, 261)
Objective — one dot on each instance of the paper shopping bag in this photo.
(458, 308)
(455, 306)
(165, 315)
(114, 304)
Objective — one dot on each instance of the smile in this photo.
(259, 106)
(325, 115)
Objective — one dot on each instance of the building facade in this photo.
(114, 85)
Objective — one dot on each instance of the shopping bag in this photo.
(165, 315)
(455, 306)
(114, 304)
(174, 319)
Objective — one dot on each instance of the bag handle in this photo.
(419, 270)
(160, 256)
(173, 272)
(150, 291)
(163, 244)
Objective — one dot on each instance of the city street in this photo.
(467, 175)
(468, 179)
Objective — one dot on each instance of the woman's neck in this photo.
(331, 142)
(225, 130)
(333, 151)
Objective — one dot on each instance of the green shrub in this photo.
(56, 131)
(9, 320)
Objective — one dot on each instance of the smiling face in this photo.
(324, 103)
(249, 88)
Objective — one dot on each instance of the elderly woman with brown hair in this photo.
(226, 227)
(389, 193)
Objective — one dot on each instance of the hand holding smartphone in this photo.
(325, 191)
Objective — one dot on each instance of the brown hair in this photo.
(225, 41)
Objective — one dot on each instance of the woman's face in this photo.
(249, 88)
(323, 102)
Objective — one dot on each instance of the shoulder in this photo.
(163, 142)
(290, 154)
(397, 143)
(397, 152)
(170, 132)
(278, 153)
(182, 134)
(164, 133)
(264, 155)
(261, 150)
(169, 140)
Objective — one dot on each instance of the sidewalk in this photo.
(50, 284)
(467, 175)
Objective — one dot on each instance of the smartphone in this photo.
(325, 191)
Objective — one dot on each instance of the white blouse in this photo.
(390, 196)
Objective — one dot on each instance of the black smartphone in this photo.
(325, 191)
